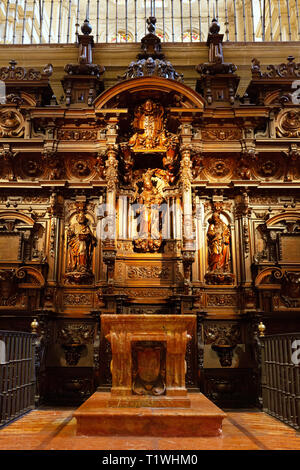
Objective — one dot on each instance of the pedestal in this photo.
(148, 395)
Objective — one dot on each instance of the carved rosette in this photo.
(31, 166)
(288, 123)
(80, 166)
(269, 167)
(216, 168)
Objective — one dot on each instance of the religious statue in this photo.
(148, 208)
(218, 237)
(149, 125)
(81, 243)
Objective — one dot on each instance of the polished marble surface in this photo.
(55, 429)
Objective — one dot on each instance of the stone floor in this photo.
(55, 429)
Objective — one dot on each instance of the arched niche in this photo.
(174, 93)
(16, 230)
(291, 216)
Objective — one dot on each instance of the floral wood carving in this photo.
(148, 272)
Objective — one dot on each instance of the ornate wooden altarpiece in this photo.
(150, 198)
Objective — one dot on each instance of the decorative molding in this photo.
(222, 300)
(77, 299)
(148, 272)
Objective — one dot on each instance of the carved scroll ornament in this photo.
(11, 123)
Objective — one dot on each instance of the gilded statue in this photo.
(81, 243)
(149, 125)
(148, 208)
(218, 237)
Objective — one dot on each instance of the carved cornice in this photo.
(13, 73)
(291, 69)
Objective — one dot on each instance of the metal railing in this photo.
(281, 377)
(17, 374)
(113, 21)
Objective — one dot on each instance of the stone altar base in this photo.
(97, 417)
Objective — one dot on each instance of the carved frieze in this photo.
(77, 299)
(77, 134)
(21, 73)
(221, 133)
(144, 292)
(222, 300)
(148, 272)
(291, 69)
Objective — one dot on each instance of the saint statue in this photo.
(218, 237)
(148, 209)
(81, 243)
(149, 126)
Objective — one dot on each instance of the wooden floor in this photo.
(55, 429)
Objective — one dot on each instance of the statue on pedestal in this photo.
(148, 208)
(218, 241)
(80, 242)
